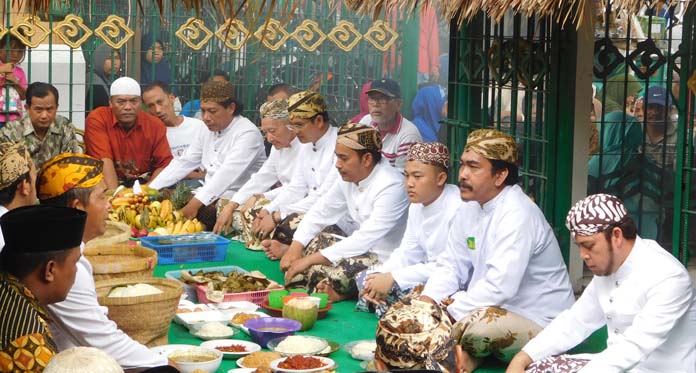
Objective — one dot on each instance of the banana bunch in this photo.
(185, 226)
(157, 216)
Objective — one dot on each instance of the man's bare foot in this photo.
(465, 362)
(274, 249)
(325, 287)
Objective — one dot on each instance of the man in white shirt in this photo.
(430, 215)
(502, 267)
(309, 120)
(77, 181)
(372, 194)
(17, 179)
(398, 133)
(641, 293)
(276, 171)
(230, 151)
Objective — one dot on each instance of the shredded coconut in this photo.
(137, 290)
(299, 344)
(215, 329)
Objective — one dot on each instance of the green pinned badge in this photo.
(471, 243)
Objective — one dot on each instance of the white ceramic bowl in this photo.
(357, 353)
(188, 367)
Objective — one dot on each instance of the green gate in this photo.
(518, 76)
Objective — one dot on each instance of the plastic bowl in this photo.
(264, 329)
(189, 367)
(322, 344)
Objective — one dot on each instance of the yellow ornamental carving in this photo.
(309, 35)
(30, 32)
(194, 33)
(69, 29)
(111, 29)
(272, 35)
(381, 35)
(3, 31)
(233, 34)
(345, 36)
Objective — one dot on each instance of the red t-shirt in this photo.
(144, 148)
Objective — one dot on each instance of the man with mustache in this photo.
(502, 270)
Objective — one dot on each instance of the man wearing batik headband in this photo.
(372, 194)
(313, 176)
(17, 179)
(430, 215)
(640, 292)
(502, 266)
(230, 151)
(77, 181)
(271, 179)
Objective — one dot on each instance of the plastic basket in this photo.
(190, 290)
(214, 251)
(256, 297)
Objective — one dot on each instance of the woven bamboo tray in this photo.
(116, 233)
(147, 318)
(121, 261)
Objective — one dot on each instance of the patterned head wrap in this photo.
(68, 171)
(434, 153)
(306, 105)
(414, 334)
(359, 137)
(277, 109)
(15, 161)
(492, 144)
(217, 91)
(594, 214)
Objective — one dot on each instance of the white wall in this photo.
(37, 61)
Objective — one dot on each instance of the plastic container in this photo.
(264, 329)
(190, 290)
(256, 297)
(188, 248)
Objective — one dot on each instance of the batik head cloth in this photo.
(15, 161)
(434, 153)
(68, 171)
(595, 214)
(414, 334)
(306, 105)
(492, 144)
(359, 137)
(217, 91)
(277, 109)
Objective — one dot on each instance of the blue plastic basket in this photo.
(214, 251)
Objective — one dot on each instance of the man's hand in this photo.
(379, 284)
(426, 298)
(250, 202)
(294, 253)
(265, 226)
(303, 264)
(191, 209)
(519, 363)
(224, 220)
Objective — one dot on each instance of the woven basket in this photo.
(121, 261)
(116, 233)
(147, 318)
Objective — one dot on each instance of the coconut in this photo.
(303, 310)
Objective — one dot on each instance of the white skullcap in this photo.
(83, 359)
(125, 86)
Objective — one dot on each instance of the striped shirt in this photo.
(25, 341)
(396, 141)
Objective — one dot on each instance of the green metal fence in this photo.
(518, 76)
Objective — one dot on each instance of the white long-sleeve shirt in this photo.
(503, 254)
(279, 167)
(378, 204)
(415, 260)
(315, 169)
(229, 157)
(3, 211)
(79, 320)
(649, 308)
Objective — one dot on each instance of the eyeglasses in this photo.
(379, 100)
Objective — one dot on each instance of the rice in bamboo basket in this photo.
(146, 318)
(121, 261)
(116, 233)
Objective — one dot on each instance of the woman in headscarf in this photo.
(153, 66)
(621, 90)
(106, 67)
(427, 111)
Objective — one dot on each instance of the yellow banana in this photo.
(166, 209)
(199, 226)
(136, 222)
(177, 227)
(170, 227)
(186, 228)
(177, 216)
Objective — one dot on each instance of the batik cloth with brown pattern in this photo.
(594, 214)
(414, 334)
(558, 364)
(434, 153)
(26, 344)
(341, 276)
(493, 331)
(306, 105)
(217, 91)
(276, 109)
(15, 161)
(492, 144)
(252, 241)
(359, 137)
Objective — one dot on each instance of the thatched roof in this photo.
(257, 11)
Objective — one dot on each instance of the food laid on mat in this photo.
(211, 330)
(192, 359)
(136, 290)
(298, 345)
(361, 350)
(302, 363)
(219, 286)
(260, 359)
(303, 310)
(240, 318)
(232, 348)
